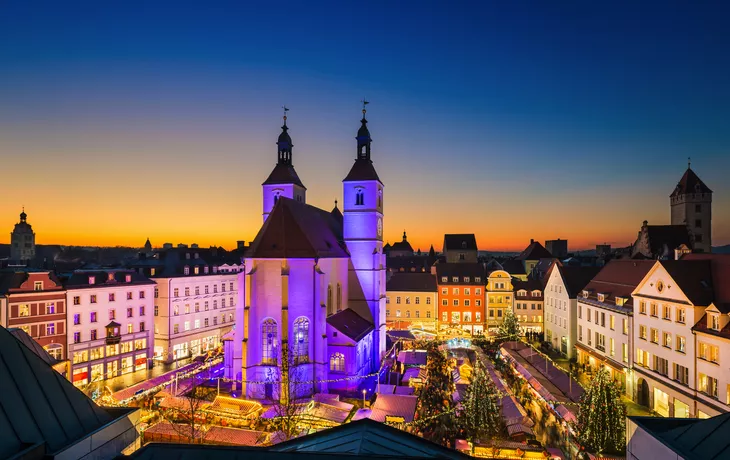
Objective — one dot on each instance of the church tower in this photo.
(691, 205)
(22, 241)
(363, 234)
(283, 180)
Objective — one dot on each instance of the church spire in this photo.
(363, 136)
(284, 143)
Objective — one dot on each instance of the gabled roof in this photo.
(351, 324)
(691, 438)
(513, 267)
(619, 278)
(460, 242)
(534, 251)
(690, 183)
(368, 438)
(362, 170)
(37, 405)
(575, 278)
(693, 277)
(284, 174)
(14, 279)
(296, 230)
(412, 282)
(720, 265)
(395, 406)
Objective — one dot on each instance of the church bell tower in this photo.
(691, 205)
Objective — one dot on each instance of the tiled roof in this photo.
(690, 183)
(283, 174)
(619, 278)
(461, 270)
(701, 326)
(297, 230)
(460, 241)
(14, 279)
(363, 169)
(513, 267)
(394, 405)
(720, 265)
(38, 405)
(412, 282)
(351, 324)
(534, 251)
(694, 279)
(80, 279)
(692, 439)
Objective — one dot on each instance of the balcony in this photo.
(113, 340)
(113, 335)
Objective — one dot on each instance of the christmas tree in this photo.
(510, 328)
(602, 416)
(435, 404)
(479, 417)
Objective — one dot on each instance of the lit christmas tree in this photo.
(602, 416)
(480, 417)
(436, 400)
(510, 327)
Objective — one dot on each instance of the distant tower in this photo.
(691, 205)
(22, 241)
(283, 180)
(147, 246)
(363, 233)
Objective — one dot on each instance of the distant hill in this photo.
(721, 249)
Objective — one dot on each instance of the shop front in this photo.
(661, 402)
(80, 376)
(127, 365)
(140, 362)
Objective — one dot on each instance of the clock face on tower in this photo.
(380, 227)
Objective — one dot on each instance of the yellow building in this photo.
(499, 298)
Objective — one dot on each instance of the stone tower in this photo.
(363, 234)
(691, 205)
(283, 180)
(22, 241)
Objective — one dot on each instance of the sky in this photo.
(511, 120)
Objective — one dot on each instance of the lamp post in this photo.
(363, 398)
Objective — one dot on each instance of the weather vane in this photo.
(689, 162)
(364, 103)
(286, 109)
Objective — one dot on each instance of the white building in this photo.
(681, 335)
(560, 305)
(109, 318)
(195, 302)
(605, 319)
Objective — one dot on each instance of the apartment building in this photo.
(110, 320)
(528, 304)
(461, 294)
(605, 319)
(499, 298)
(411, 301)
(681, 332)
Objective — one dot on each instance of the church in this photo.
(311, 298)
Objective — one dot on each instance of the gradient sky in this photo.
(512, 120)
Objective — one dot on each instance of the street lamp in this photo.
(363, 398)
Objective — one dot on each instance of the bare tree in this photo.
(186, 414)
(290, 378)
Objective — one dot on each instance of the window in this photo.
(301, 340)
(112, 314)
(38, 286)
(698, 223)
(455, 291)
(580, 312)
(642, 307)
(175, 329)
(478, 317)
(408, 313)
(466, 302)
(215, 305)
(642, 332)
(176, 292)
(680, 315)
(50, 308)
(478, 291)
(445, 302)
(455, 279)
(176, 310)
(467, 291)
(77, 319)
(129, 328)
(112, 297)
(187, 291)
(661, 365)
(444, 316)
(589, 336)
(428, 313)
(626, 326)
(130, 313)
(499, 313)
(51, 329)
(215, 320)
(77, 337)
(654, 335)
(456, 302)
(418, 300)
(667, 340)
(625, 352)
(339, 297)
(708, 385)
(612, 322)
(92, 334)
(444, 279)
(197, 290)
(141, 326)
(359, 198)
(129, 296)
(478, 302)
(709, 352)
(467, 317)
(77, 300)
(186, 270)
(186, 326)
(580, 333)
(428, 301)
(681, 374)
(397, 299)
(714, 322)
(205, 322)
(92, 317)
(215, 289)
(337, 362)
(141, 311)
(205, 305)
(408, 300)
(588, 316)
(418, 313)
(455, 317)
(397, 313)
(92, 299)
(269, 341)
(600, 342)
(613, 348)
(187, 308)
(24, 310)
(681, 344)
(666, 312)
(654, 310)
(603, 319)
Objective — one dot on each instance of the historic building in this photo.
(691, 206)
(528, 304)
(195, 301)
(681, 334)
(411, 300)
(561, 292)
(110, 318)
(605, 319)
(401, 248)
(460, 248)
(22, 241)
(499, 297)
(461, 295)
(558, 248)
(312, 296)
(34, 300)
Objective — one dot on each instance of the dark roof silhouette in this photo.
(297, 230)
(574, 278)
(412, 282)
(691, 438)
(694, 279)
(362, 170)
(351, 324)
(460, 241)
(690, 183)
(37, 405)
(284, 174)
(534, 251)
(668, 237)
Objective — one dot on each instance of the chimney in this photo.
(240, 244)
(532, 240)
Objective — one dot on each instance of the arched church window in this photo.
(276, 198)
(339, 297)
(380, 198)
(301, 340)
(330, 305)
(337, 362)
(269, 341)
(359, 197)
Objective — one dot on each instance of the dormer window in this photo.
(128, 278)
(197, 270)
(186, 270)
(714, 321)
(620, 301)
(110, 276)
(601, 297)
(152, 272)
(585, 294)
(536, 293)
(466, 279)
(205, 270)
(444, 279)
(455, 279)
(477, 279)
(92, 280)
(187, 256)
(215, 269)
(196, 255)
(522, 293)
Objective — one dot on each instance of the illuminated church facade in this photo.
(312, 295)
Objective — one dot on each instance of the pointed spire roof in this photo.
(363, 169)
(690, 183)
(284, 172)
(336, 213)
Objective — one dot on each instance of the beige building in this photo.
(499, 298)
(681, 332)
(411, 301)
(528, 304)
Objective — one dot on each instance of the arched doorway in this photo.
(642, 393)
